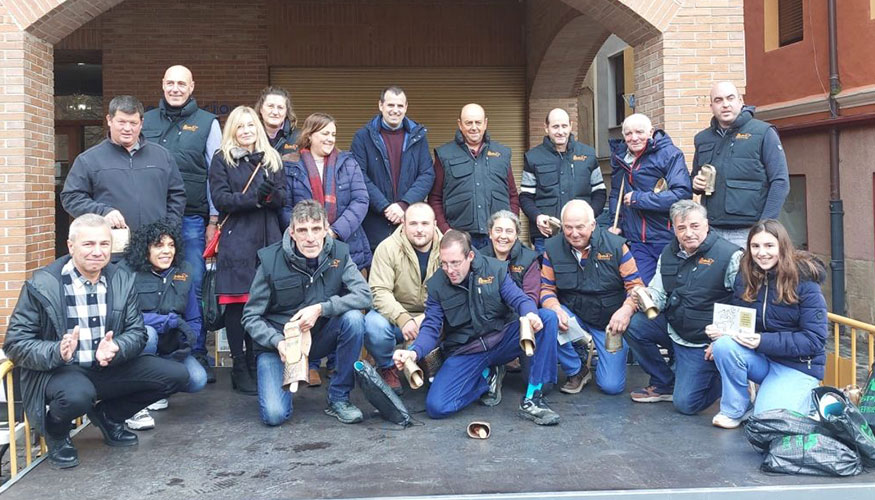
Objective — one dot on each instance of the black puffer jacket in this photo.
(36, 326)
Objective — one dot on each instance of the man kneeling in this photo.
(477, 303)
(309, 278)
(77, 332)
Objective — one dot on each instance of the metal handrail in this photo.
(854, 325)
(6, 373)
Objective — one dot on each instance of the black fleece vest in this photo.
(595, 291)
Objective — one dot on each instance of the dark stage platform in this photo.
(212, 445)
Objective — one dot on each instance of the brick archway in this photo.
(681, 47)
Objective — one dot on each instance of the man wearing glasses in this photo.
(477, 304)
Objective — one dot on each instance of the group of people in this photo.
(413, 256)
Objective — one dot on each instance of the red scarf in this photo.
(323, 192)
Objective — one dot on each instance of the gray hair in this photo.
(307, 210)
(127, 104)
(683, 208)
(505, 214)
(86, 220)
(578, 204)
(637, 118)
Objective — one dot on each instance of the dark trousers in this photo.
(124, 389)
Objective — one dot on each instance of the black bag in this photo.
(812, 454)
(213, 313)
(845, 421)
(770, 425)
(380, 395)
(867, 400)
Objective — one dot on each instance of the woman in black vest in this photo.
(253, 223)
(523, 264)
(168, 302)
(786, 355)
(280, 122)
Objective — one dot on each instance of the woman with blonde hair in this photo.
(786, 354)
(244, 158)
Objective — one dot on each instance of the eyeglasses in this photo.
(456, 264)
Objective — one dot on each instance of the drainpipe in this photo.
(836, 208)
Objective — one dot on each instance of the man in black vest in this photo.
(478, 306)
(558, 170)
(307, 278)
(192, 135)
(472, 178)
(752, 180)
(587, 274)
(695, 271)
(393, 152)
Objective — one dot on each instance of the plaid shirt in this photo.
(86, 308)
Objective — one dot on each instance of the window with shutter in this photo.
(789, 22)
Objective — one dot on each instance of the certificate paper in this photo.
(733, 320)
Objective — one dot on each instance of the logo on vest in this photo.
(705, 262)
(485, 281)
(290, 147)
(494, 154)
(180, 277)
(604, 256)
(335, 263)
(579, 158)
(189, 128)
(741, 136)
(517, 269)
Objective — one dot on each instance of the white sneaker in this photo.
(726, 422)
(161, 404)
(141, 421)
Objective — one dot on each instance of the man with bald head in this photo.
(402, 264)
(587, 275)
(473, 178)
(653, 175)
(752, 179)
(558, 170)
(192, 135)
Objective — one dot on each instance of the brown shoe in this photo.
(314, 379)
(390, 376)
(577, 382)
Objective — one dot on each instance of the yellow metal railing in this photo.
(842, 371)
(6, 375)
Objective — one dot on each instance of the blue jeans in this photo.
(197, 376)
(610, 371)
(460, 381)
(343, 334)
(193, 241)
(381, 337)
(780, 385)
(695, 383)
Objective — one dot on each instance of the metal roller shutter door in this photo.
(436, 95)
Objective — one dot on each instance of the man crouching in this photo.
(77, 333)
(308, 278)
(477, 304)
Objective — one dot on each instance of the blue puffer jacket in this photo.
(792, 334)
(646, 219)
(414, 182)
(352, 203)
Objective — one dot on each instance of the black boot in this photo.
(241, 380)
(62, 453)
(114, 433)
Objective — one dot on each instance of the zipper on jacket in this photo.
(765, 301)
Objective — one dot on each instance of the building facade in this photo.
(519, 59)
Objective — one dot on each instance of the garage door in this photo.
(435, 97)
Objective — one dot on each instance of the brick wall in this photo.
(26, 159)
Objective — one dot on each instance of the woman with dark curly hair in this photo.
(167, 299)
(786, 354)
